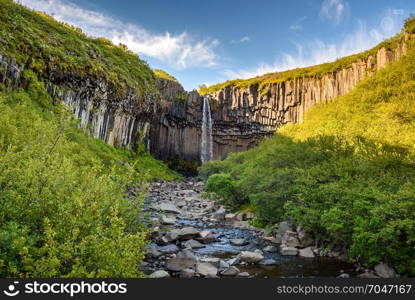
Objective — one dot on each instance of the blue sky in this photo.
(213, 41)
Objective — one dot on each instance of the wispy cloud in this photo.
(296, 26)
(333, 10)
(317, 51)
(243, 39)
(179, 51)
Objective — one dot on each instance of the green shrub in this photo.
(225, 188)
(64, 211)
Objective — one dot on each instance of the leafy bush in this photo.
(64, 211)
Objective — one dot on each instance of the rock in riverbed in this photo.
(206, 269)
(250, 257)
(160, 274)
(183, 260)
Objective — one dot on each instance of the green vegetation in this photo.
(164, 75)
(45, 45)
(64, 210)
(346, 175)
(264, 81)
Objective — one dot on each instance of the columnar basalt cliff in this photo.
(242, 114)
(119, 120)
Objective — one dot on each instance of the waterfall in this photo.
(206, 147)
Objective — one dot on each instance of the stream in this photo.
(194, 237)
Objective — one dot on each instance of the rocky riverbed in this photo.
(194, 237)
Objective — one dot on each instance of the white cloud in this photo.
(179, 51)
(317, 52)
(296, 27)
(333, 10)
(243, 39)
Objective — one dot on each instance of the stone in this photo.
(206, 237)
(234, 261)
(172, 235)
(249, 215)
(214, 261)
(250, 257)
(306, 252)
(162, 241)
(219, 215)
(169, 207)
(223, 265)
(231, 271)
(230, 217)
(270, 249)
(240, 216)
(187, 273)
(238, 242)
(206, 269)
(160, 274)
(183, 260)
(273, 240)
(289, 251)
(243, 275)
(290, 239)
(193, 244)
(167, 220)
(188, 233)
(169, 249)
(153, 253)
(384, 271)
(284, 226)
(268, 262)
(343, 275)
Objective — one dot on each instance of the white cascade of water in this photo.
(206, 146)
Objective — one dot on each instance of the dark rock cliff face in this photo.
(171, 128)
(119, 120)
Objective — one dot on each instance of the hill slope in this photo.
(345, 175)
(65, 210)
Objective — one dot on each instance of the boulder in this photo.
(230, 217)
(284, 226)
(250, 257)
(153, 253)
(219, 215)
(169, 207)
(249, 215)
(384, 271)
(290, 239)
(231, 271)
(162, 241)
(188, 233)
(273, 240)
(206, 269)
(169, 249)
(193, 244)
(172, 235)
(167, 220)
(306, 252)
(160, 274)
(206, 237)
(214, 261)
(289, 251)
(270, 249)
(239, 242)
(187, 273)
(243, 275)
(343, 275)
(183, 260)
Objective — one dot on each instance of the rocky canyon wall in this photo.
(171, 127)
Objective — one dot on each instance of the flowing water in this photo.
(206, 147)
(196, 212)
